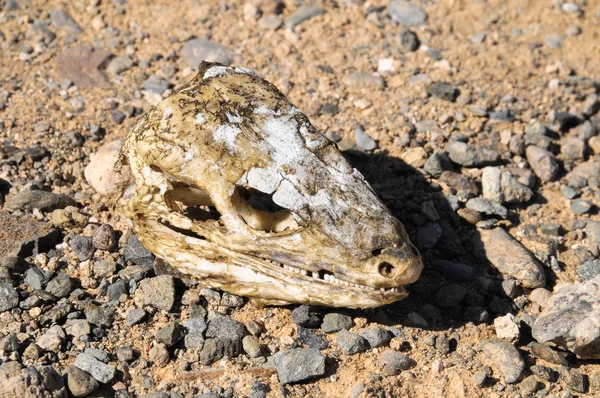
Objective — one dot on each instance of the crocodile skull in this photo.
(235, 187)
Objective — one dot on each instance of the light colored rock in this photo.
(99, 173)
(507, 328)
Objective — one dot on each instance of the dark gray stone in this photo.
(135, 316)
(437, 163)
(488, 207)
(312, 339)
(170, 334)
(300, 364)
(428, 236)
(60, 286)
(394, 362)
(156, 84)
(334, 322)
(9, 298)
(98, 370)
(45, 201)
(450, 296)
(468, 156)
(306, 316)
(581, 207)
(37, 278)
(505, 357)
(82, 246)
(408, 41)
(443, 90)
(99, 316)
(376, 336)
(10, 343)
(589, 270)
(136, 253)
(455, 271)
(351, 343)
(407, 14)
(116, 290)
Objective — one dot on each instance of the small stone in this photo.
(83, 65)
(60, 286)
(455, 271)
(137, 253)
(589, 270)
(540, 296)
(159, 355)
(509, 257)
(548, 354)
(99, 316)
(363, 141)
(529, 386)
(231, 301)
(485, 206)
(428, 236)
(270, 22)
(477, 38)
(312, 339)
(306, 316)
(361, 80)
(407, 14)
(581, 207)
(551, 229)
(100, 173)
(104, 238)
(80, 383)
(465, 155)
(9, 343)
(576, 381)
(302, 14)
(124, 353)
(82, 246)
(77, 327)
(9, 298)
(443, 90)
(350, 343)
(569, 318)
(49, 342)
(62, 20)
(334, 322)
(507, 327)
(117, 116)
(251, 346)
(450, 296)
(300, 364)
(376, 337)
(119, 65)
(480, 378)
(437, 163)
(258, 389)
(135, 316)
(170, 335)
(195, 51)
(98, 370)
(542, 162)
(506, 357)
(464, 185)
(37, 278)
(408, 40)
(45, 201)
(543, 372)
(393, 362)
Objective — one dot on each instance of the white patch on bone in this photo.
(164, 121)
(188, 156)
(234, 118)
(287, 196)
(154, 179)
(264, 180)
(216, 71)
(200, 118)
(246, 71)
(227, 134)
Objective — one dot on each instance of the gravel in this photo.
(505, 357)
(60, 286)
(393, 362)
(170, 335)
(468, 156)
(45, 201)
(542, 162)
(80, 383)
(157, 292)
(407, 14)
(334, 322)
(351, 343)
(9, 298)
(307, 317)
(98, 370)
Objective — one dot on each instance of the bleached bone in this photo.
(235, 187)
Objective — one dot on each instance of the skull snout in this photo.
(399, 267)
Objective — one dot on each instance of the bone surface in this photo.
(234, 186)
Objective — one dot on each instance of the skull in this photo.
(235, 187)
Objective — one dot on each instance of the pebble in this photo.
(548, 354)
(407, 14)
(105, 238)
(408, 40)
(137, 253)
(485, 206)
(62, 20)
(576, 381)
(362, 80)
(542, 162)
(118, 65)
(258, 389)
(584, 174)
(569, 317)
(589, 270)
(83, 247)
(312, 339)
(443, 90)
(509, 257)
(428, 236)
(98, 370)
(465, 155)
(159, 355)
(224, 338)
(394, 362)
(507, 327)
(480, 378)
(170, 334)
(300, 364)
(350, 343)
(9, 298)
(98, 315)
(124, 353)
(156, 84)
(376, 337)
(581, 207)
(540, 296)
(450, 296)
(505, 357)
(455, 271)
(100, 174)
(306, 316)
(334, 322)
(45, 201)
(195, 51)
(251, 346)
(437, 163)
(464, 185)
(270, 22)
(135, 316)
(363, 140)
(60, 286)
(83, 66)
(158, 292)
(80, 383)
(544, 373)
(9, 343)
(302, 14)
(529, 386)
(37, 278)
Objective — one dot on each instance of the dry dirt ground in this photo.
(535, 58)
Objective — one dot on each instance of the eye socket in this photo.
(386, 269)
(260, 212)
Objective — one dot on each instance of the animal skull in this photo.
(235, 187)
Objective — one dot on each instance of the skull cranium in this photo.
(235, 187)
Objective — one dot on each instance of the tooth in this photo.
(326, 277)
(315, 275)
(286, 267)
(304, 272)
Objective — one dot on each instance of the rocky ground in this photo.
(475, 121)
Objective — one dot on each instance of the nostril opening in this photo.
(386, 269)
(376, 252)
